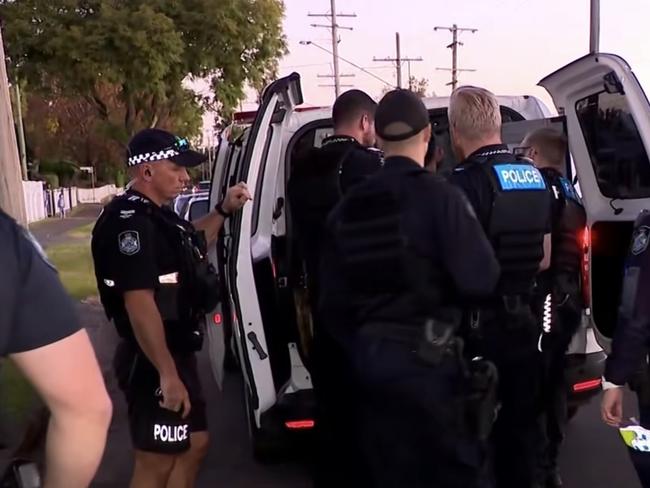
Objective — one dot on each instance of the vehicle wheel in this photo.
(571, 412)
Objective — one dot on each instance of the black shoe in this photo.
(553, 480)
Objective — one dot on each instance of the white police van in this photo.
(606, 116)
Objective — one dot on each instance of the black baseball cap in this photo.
(400, 115)
(150, 145)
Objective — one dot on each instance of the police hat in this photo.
(150, 145)
(400, 115)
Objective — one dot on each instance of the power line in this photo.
(454, 52)
(398, 60)
(334, 27)
(311, 43)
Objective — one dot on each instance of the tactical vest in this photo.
(183, 296)
(378, 259)
(518, 220)
(568, 222)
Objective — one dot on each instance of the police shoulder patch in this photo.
(640, 239)
(519, 177)
(129, 242)
(569, 191)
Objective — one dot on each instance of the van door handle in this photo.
(257, 347)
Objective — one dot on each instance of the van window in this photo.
(618, 156)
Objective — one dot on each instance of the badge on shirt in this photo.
(640, 239)
(129, 242)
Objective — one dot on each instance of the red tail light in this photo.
(586, 245)
(217, 319)
(586, 385)
(300, 424)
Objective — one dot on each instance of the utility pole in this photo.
(594, 22)
(12, 198)
(21, 132)
(454, 52)
(334, 27)
(398, 60)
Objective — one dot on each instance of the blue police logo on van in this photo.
(129, 242)
(640, 239)
(519, 177)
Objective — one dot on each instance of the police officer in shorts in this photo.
(156, 285)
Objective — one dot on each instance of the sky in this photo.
(518, 42)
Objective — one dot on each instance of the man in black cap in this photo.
(404, 248)
(156, 284)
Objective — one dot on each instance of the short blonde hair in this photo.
(550, 144)
(474, 112)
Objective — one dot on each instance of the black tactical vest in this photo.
(183, 296)
(378, 259)
(518, 220)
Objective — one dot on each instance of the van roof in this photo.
(528, 106)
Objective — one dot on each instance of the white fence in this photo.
(96, 195)
(41, 203)
(35, 205)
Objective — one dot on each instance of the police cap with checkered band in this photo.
(151, 145)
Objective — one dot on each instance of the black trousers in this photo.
(515, 436)
(338, 455)
(411, 423)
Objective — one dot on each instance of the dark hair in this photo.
(351, 105)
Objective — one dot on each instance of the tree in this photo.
(128, 58)
(419, 86)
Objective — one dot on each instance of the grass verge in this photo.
(75, 264)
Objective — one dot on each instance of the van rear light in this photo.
(300, 424)
(217, 319)
(587, 385)
(584, 268)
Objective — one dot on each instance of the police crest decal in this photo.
(640, 239)
(129, 242)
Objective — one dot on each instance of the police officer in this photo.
(558, 293)
(511, 202)
(405, 247)
(627, 362)
(40, 333)
(318, 180)
(156, 285)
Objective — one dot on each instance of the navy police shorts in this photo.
(154, 428)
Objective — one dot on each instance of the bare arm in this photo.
(211, 224)
(67, 376)
(150, 333)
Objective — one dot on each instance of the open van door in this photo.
(262, 149)
(608, 124)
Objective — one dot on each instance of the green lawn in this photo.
(18, 396)
(75, 264)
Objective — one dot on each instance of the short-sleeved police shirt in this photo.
(35, 310)
(131, 249)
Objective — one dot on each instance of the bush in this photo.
(65, 170)
(51, 179)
